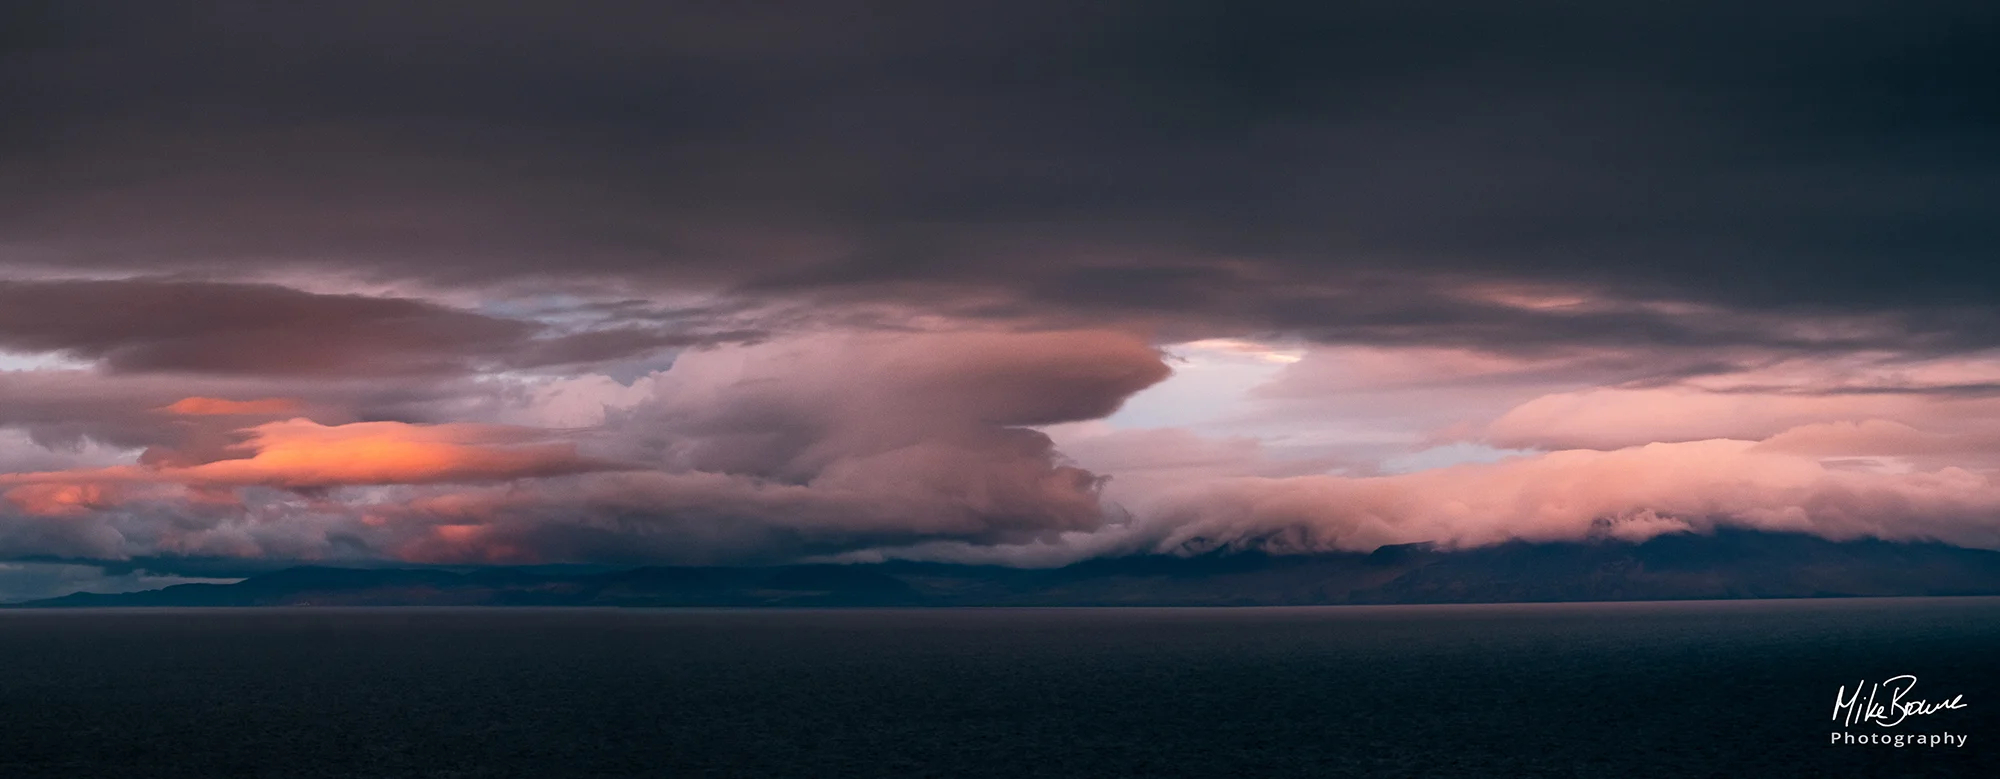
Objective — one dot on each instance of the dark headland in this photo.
(1726, 565)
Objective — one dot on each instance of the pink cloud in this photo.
(1627, 493)
(1759, 402)
(982, 445)
(1614, 418)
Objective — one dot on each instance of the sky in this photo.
(483, 283)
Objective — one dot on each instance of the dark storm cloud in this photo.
(1344, 170)
(149, 326)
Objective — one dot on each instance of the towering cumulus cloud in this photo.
(814, 443)
(1030, 282)
(828, 442)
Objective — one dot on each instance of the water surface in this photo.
(1579, 690)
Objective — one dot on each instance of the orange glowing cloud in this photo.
(302, 454)
(207, 407)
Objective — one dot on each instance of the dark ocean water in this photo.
(1586, 690)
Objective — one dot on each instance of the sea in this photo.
(1678, 689)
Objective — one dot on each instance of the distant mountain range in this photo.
(1728, 564)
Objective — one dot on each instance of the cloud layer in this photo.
(812, 444)
(1371, 171)
(639, 282)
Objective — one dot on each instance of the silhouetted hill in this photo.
(1731, 564)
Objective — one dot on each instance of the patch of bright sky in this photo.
(1211, 380)
(11, 361)
(1459, 453)
(1213, 389)
(550, 308)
